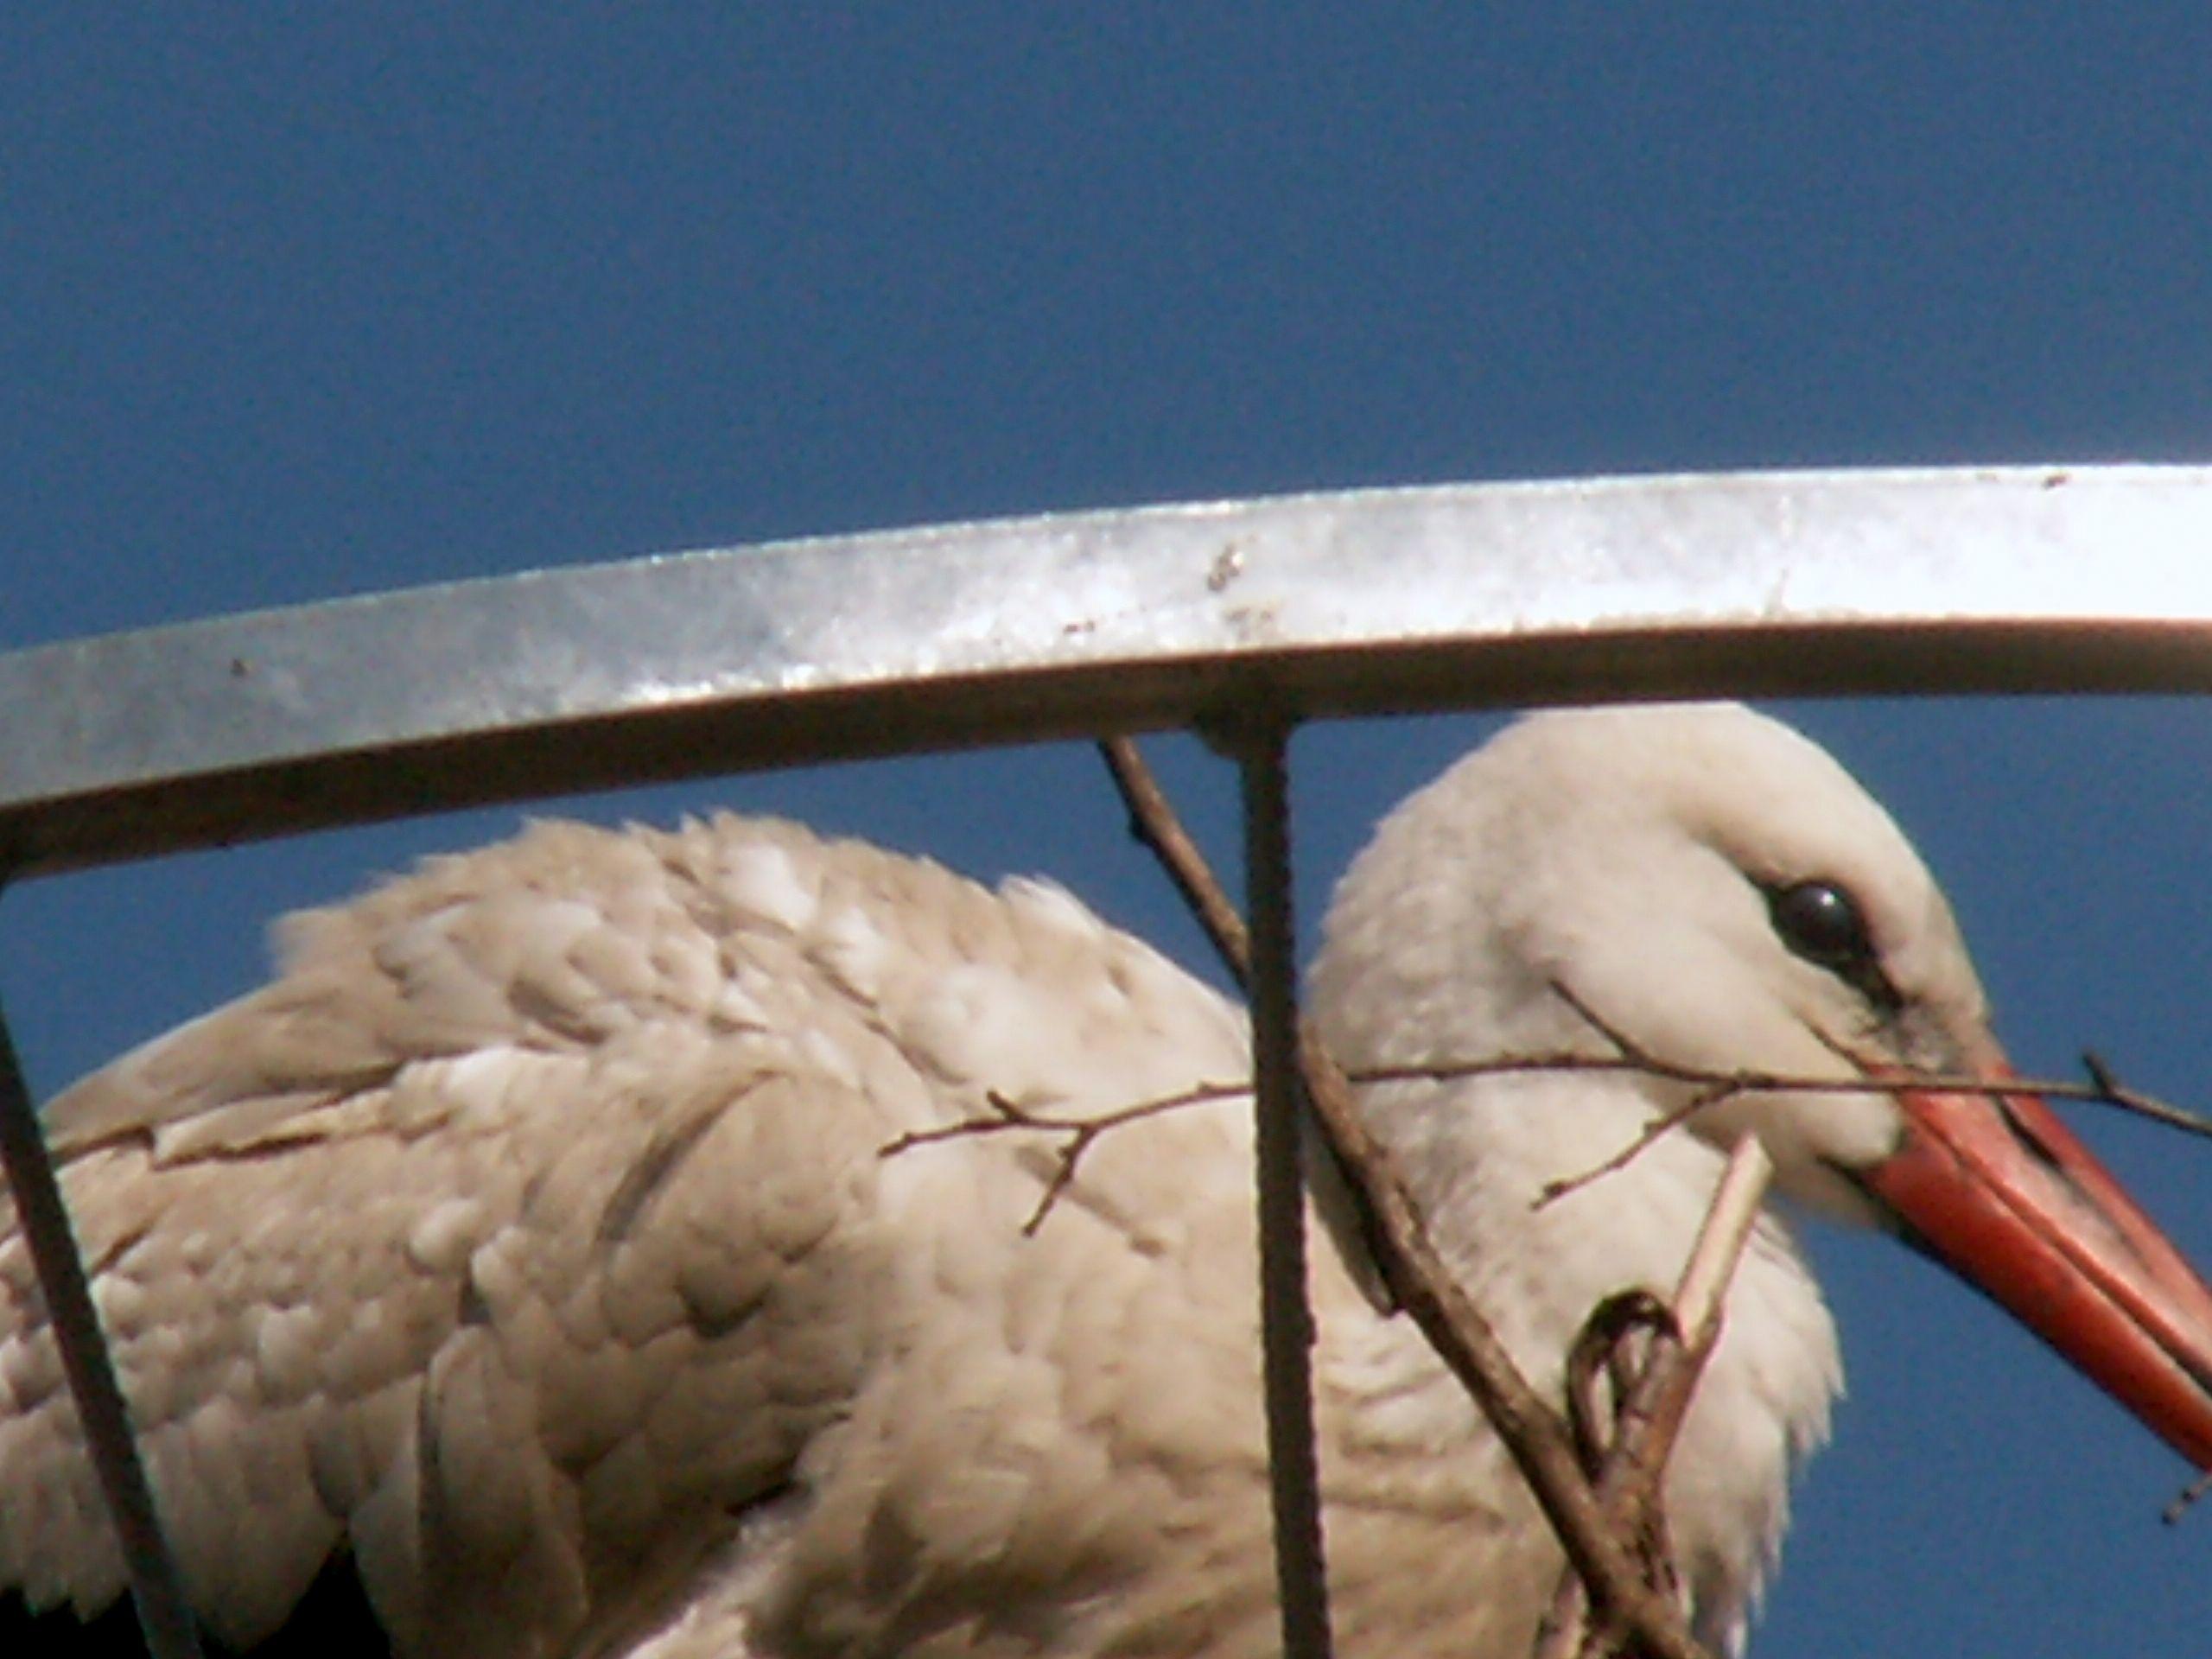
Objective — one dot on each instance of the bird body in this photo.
(535, 1235)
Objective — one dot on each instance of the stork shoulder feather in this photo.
(554, 1345)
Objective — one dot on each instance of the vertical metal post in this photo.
(1285, 1319)
(156, 1587)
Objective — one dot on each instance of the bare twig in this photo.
(2100, 1090)
(1623, 1342)
(1629, 1475)
(2188, 1498)
(1720, 1242)
(2104, 1090)
(1152, 822)
(1712, 1088)
(1602, 1363)
(1553, 1191)
(1081, 1132)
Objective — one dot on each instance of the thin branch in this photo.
(1711, 1086)
(2101, 1089)
(1647, 1418)
(1081, 1133)
(1720, 1242)
(1626, 1335)
(2104, 1090)
(2189, 1496)
(1714, 1086)
(1553, 1191)
(1601, 1366)
(1152, 822)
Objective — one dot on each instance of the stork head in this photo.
(1708, 889)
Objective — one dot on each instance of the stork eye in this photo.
(1823, 924)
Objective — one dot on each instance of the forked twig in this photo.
(2104, 1090)
(1652, 1397)
(1081, 1133)
(1711, 1087)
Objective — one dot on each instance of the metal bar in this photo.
(156, 1587)
(1367, 602)
(2020, 578)
(1285, 1319)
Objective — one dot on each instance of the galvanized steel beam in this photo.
(2041, 579)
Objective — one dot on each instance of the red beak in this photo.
(1996, 1188)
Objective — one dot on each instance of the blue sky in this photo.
(303, 302)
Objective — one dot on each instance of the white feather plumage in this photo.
(530, 1236)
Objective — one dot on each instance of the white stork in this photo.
(530, 1236)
